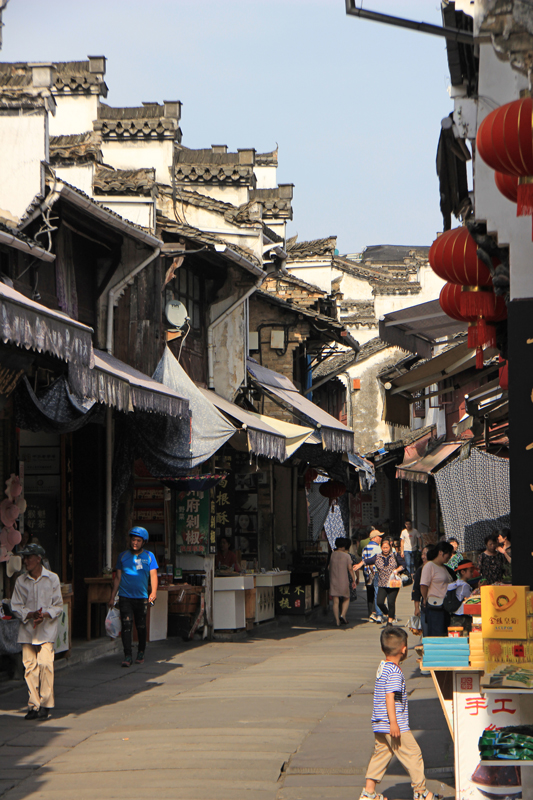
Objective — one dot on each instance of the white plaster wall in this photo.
(79, 176)
(229, 361)
(278, 226)
(318, 274)
(74, 114)
(266, 177)
(355, 288)
(140, 213)
(236, 195)
(142, 154)
(23, 146)
(367, 402)
(362, 334)
(499, 84)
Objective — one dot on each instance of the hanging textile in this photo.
(209, 427)
(474, 497)
(318, 508)
(53, 409)
(334, 525)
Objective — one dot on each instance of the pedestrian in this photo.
(136, 583)
(373, 548)
(341, 577)
(388, 566)
(410, 542)
(462, 588)
(504, 541)
(457, 556)
(433, 587)
(390, 722)
(38, 603)
(416, 595)
(357, 564)
(490, 563)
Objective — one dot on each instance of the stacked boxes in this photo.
(477, 657)
(445, 651)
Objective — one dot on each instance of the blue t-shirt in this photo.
(135, 567)
(389, 679)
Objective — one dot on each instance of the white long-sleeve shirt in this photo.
(32, 594)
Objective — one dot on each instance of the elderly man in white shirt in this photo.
(38, 603)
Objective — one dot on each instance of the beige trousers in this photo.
(38, 660)
(407, 752)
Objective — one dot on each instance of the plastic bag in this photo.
(113, 625)
(415, 626)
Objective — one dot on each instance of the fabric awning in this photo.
(419, 470)
(417, 328)
(114, 383)
(335, 436)
(267, 436)
(452, 361)
(28, 324)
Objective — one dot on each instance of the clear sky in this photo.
(354, 106)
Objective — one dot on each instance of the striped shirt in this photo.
(389, 678)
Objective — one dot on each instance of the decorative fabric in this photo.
(334, 525)
(52, 410)
(484, 480)
(318, 508)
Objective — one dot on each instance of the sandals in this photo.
(427, 795)
(371, 796)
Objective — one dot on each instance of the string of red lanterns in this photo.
(468, 295)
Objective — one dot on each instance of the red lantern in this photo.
(453, 257)
(332, 490)
(505, 143)
(508, 185)
(310, 476)
(480, 332)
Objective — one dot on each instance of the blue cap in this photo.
(137, 531)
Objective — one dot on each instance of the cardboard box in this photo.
(503, 612)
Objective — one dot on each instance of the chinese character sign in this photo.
(193, 522)
(503, 611)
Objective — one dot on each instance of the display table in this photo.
(265, 598)
(230, 601)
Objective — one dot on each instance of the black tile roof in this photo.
(315, 247)
(124, 181)
(77, 147)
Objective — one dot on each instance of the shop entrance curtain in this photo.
(474, 497)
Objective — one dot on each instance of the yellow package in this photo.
(511, 651)
(503, 612)
(529, 603)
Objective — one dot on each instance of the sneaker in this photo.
(343, 621)
(127, 661)
(42, 713)
(33, 713)
(140, 657)
(374, 617)
(426, 794)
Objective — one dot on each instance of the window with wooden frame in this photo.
(435, 401)
(187, 288)
(419, 406)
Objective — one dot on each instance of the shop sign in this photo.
(475, 712)
(503, 612)
(194, 523)
(61, 642)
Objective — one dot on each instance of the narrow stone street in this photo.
(281, 716)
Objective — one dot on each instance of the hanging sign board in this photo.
(503, 612)
(193, 522)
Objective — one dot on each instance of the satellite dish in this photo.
(176, 314)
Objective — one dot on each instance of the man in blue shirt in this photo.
(136, 583)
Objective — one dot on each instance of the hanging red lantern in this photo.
(453, 257)
(332, 490)
(507, 185)
(505, 143)
(480, 332)
(310, 476)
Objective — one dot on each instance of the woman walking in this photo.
(341, 578)
(388, 566)
(433, 587)
(416, 595)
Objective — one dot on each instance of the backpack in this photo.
(451, 602)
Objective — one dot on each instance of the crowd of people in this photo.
(436, 571)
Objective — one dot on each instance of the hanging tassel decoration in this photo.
(524, 203)
(474, 302)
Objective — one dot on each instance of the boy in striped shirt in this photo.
(390, 722)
